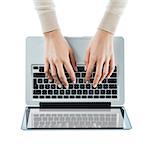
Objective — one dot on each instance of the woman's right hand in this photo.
(58, 55)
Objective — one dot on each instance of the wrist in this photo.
(52, 34)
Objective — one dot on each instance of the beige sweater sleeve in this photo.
(48, 19)
(112, 15)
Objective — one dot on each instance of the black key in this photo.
(73, 92)
(35, 86)
(115, 69)
(35, 67)
(82, 86)
(88, 86)
(66, 96)
(42, 75)
(96, 96)
(108, 91)
(80, 80)
(80, 68)
(47, 96)
(62, 92)
(114, 74)
(47, 86)
(70, 86)
(96, 91)
(104, 81)
(113, 86)
(83, 96)
(50, 92)
(59, 96)
(69, 80)
(108, 96)
(44, 92)
(37, 92)
(35, 96)
(55, 91)
(54, 96)
(72, 96)
(90, 92)
(41, 86)
(67, 92)
(77, 74)
(105, 86)
(78, 96)
(79, 91)
(41, 69)
(90, 96)
(102, 91)
(114, 96)
(93, 74)
(114, 91)
(91, 80)
(112, 80)
(76, 86)
(41, 96)
(39, 80)
(85, 92)
(53, 86)
(102, 96)
(34, 81)
(83, 74)
(99, 86)
(67, 75)
(45, 80)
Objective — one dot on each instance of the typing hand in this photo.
(100, 54)
(58, 55)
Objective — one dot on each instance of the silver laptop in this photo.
(80, 106)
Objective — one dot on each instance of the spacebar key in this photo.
(38, 74)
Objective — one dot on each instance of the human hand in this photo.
(100, 54)
(58, 55)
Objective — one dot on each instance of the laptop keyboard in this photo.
(44, 89)
(74, 120)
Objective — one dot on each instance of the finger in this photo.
(70, 71)
(72, 59)
(87, 58)
(105, 70)
(98, 74)
(61, 74)
(54, 74)
(111, 67)
(47, 68)
(89, 69)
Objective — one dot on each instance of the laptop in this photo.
(80, 106)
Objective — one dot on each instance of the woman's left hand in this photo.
(100, 54)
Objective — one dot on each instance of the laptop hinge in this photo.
(75, 105)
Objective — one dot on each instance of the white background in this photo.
(18, 19)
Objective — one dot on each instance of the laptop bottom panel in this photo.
(107, 118)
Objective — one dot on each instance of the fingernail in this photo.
(76, 69)
(74, 81)
(66, 87)
(59, 85)
(85, 68)
(94, 85)
(50, 80)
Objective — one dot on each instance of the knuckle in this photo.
(105, 73)
(56, 60)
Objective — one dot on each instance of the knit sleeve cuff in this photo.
(109, 22)
(48, 21)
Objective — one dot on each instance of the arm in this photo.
(57, 56)
(100, 51)
(47, 14)
(112, 15)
